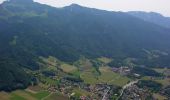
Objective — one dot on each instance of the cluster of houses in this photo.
(123, 70)
(166, 92)
(52, 88)
(135, 93)
(97, 91)
(105, 91)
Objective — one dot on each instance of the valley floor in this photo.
(58, 80)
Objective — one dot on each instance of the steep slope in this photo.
(152, 17)
(29, 30)
(12, 76)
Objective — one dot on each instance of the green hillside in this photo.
(29, 30)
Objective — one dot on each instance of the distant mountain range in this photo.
(152, 17)
(30, 30)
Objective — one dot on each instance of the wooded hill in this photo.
(29, 30)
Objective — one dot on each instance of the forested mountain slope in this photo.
(152, 17)
(29, 30)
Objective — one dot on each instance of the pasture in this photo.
(56, 96)
(24, 95)
(68, 68)
(107, 76)
(105, 60)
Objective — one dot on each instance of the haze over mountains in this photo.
(30, 30)
(152, 17)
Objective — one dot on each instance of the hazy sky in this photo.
(161, 6)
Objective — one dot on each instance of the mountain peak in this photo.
(75, 5)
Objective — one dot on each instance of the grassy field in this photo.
(159, 70)
(89, 77)
(56, 96)
(48, 80)
(164, 82)
(83, 64)
(76, 73)
(23, 95)
(146, 78)
(35, 88)
(121, 81)
(39, 95)
(50, 60)
(68, 68)
(159, 97)
(110, 77)
(4, 96)
(107, 76)
(81, 92)
(105, 60)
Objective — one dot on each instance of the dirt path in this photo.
(47, 96)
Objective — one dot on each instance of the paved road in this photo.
(104, 96)
(126, 86)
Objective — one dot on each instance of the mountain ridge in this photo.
(33, 30)
(152, 17)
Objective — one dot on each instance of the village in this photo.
(76, 87)
(133, 92)
(101, 91)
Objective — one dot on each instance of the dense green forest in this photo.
(146, 71)
(29, 30)
(12, 76)
(152, 85)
